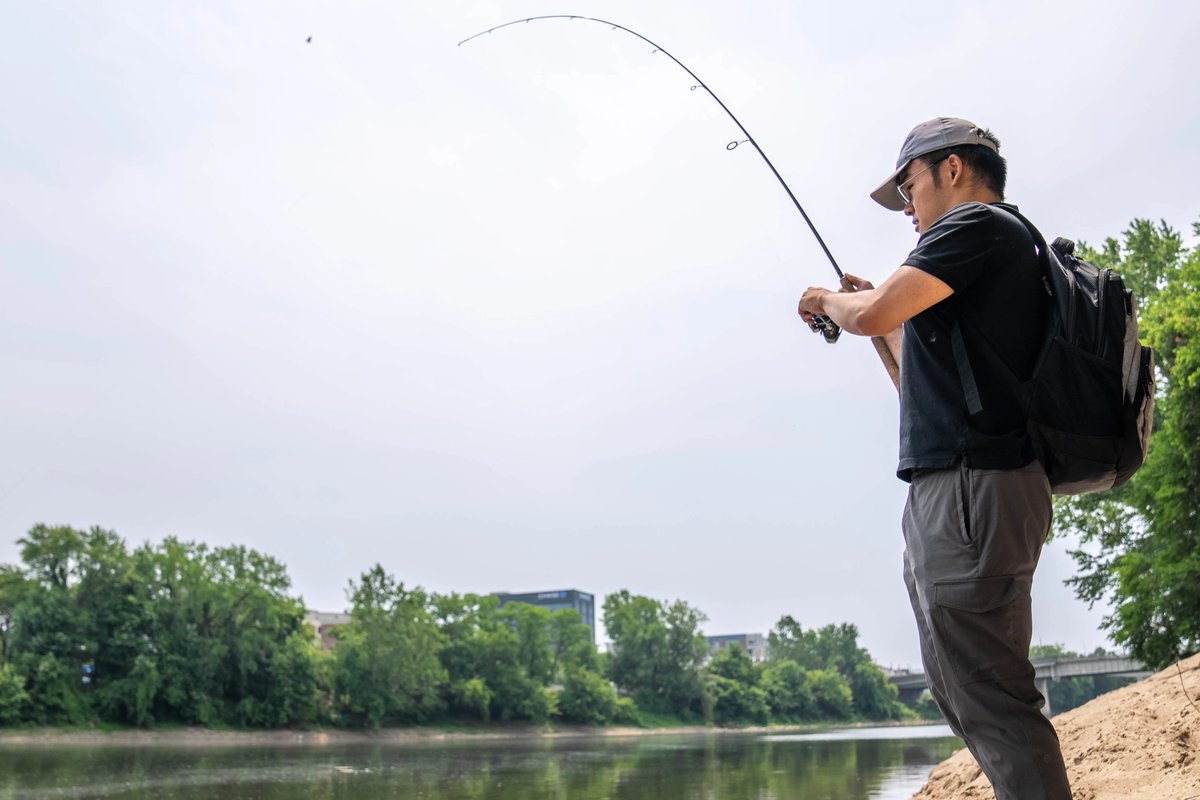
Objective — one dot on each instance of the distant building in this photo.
(322, 622)
(558, 601)
(753, 644)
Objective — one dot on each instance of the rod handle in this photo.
(881, 347)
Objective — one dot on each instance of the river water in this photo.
(856, 764)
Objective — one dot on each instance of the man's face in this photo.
(926, 200)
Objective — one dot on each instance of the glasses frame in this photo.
(905, 196)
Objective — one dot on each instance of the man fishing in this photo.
(979, 503)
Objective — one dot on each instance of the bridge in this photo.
(1050, 668)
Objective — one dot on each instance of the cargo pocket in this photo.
(983, 628)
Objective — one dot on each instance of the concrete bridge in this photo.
(1051, 668)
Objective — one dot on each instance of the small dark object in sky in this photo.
(308, 40)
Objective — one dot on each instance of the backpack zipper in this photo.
(1101, 295)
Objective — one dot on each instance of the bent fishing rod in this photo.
(821, 323)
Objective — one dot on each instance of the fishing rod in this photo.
(821, 323)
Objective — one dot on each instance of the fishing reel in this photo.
(826, 327)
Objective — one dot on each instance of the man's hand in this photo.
(811, 304)
(812, 301)
(855, 298)
(853, 283)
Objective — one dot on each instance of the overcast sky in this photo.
(509, 316)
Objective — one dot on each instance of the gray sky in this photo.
(509, 316)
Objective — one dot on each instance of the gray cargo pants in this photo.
(973, 538)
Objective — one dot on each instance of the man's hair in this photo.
(988, 166)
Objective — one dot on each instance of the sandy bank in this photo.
(1140, 742)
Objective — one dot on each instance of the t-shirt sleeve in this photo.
(959, 245)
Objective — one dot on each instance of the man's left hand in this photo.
(812, 303)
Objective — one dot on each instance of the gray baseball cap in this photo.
(925, 138)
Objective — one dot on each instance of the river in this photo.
(850, 764)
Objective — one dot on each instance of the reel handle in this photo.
(826, 327)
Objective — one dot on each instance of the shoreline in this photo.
(206, 737)
(1138, 742)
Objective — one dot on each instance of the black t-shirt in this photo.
(988, 258)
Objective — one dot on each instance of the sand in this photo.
(1140, 742)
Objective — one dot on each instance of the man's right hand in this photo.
(853, 283)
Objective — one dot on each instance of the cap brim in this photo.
(887, 195)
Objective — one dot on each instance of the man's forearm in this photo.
(846, 308)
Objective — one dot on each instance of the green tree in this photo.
(926, 708)
(657, 652)
(51, 555)
(142, 686)
(874, 697)
(53, 635)
(116, 622)
(13, 588)
(387, 666)
(228, 643)
(733, 683)
(830, 647)
(14, 700)
(1138, 546)
(473, 697)
(535, 657)
(177, 632)
(185, 645)
(1144, 256)
(587, 698)
(836, 648)
(503, 655)
(789, 696)
(831, 695)
(571, 643)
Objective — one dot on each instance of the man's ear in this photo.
(956, 170)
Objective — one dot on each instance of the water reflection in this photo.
(693, 767)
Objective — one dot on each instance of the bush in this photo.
(473, 697)
(874, 697)
(926, 708)
(626, 712)
(14, 700)
(54, 693)
(539, 705)
(831, 696)
(789, 694)
(587, 698)
(735, 702)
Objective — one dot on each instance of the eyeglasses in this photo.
(900, 190)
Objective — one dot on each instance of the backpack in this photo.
(1089, 405)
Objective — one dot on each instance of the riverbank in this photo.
(205, 737)
(1140, 742)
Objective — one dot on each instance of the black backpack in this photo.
(1090, 403)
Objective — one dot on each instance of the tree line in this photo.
(183, 633)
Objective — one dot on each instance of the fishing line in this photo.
(699, 85)
(821, 323)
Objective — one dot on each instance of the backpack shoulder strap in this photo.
(1038, 239)
(966, 375)
(962, 362)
